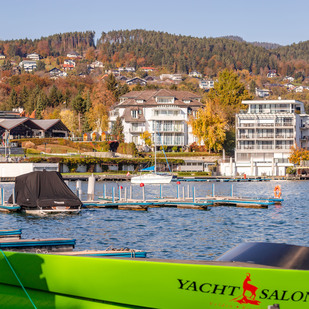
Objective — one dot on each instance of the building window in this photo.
(134, 114)
(165, 100)
(135, 140)
(167, 126)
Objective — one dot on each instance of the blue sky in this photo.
(277, 21)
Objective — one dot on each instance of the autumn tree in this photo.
(101, 101)
(146, 137)
(68, 118)
(298, 154)
(209, 126)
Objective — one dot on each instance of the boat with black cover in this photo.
(43, 192)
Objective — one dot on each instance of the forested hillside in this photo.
(207, 55)
(175, 53)
(53, 45)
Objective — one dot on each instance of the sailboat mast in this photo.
(155, 143)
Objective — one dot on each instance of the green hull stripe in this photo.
(142, 283)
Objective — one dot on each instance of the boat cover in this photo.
(148, 169)
(270, 254)
(43, 189)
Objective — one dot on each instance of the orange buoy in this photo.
(277, 191)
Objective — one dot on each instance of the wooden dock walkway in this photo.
(202, 203)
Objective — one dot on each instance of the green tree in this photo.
(229, 92)
(23, 97)
(88, 101)
(252, 86)
(117, 130)
(79, 105)
(31, 103)
(55, 97)
(111, 84)
(41, 104)
(6, 65)
(40, 65)
(13, 100)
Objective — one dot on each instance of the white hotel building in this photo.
(163, 111)
(264, 136)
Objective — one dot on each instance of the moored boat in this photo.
(56, 281)
(43, 192)
(151, 178)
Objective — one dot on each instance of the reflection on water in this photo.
(177, 233)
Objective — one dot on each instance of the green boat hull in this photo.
(54, 281)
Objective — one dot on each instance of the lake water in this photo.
(177, 233)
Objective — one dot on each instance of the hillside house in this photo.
(28, 65)
(165, 112)
(206, 84)
(136, 81)
(262, 93)
(34, 56)
(272, 74)
(69, 65)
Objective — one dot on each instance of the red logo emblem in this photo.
(248, 294)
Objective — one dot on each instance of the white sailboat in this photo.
(152, 177)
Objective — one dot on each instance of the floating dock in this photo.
(10, 240)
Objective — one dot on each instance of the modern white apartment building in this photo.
(264, 135)
(165, 112)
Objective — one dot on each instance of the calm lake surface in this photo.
(177, 233)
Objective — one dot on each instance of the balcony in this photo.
(137, 130)
(264, 147)
(283, 146)
(265, 124)
(282, 136)
(246, 125)
(245, 136)
(265, 136)
(284, 124)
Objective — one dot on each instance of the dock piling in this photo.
(232, 189)
(160, 191)
(188, 191)
(125, 194)
(13, 195)
(193, 194)
(113, 194)
(104, 191)
(91, 186)
(131, 192)
(183, 193)
(78, 187)
(2, 196)
(213, 189)
(143, 193)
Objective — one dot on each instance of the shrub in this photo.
(194, 174)
(194, 147)
(127, 148)
(32, 151)
(291, 170)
